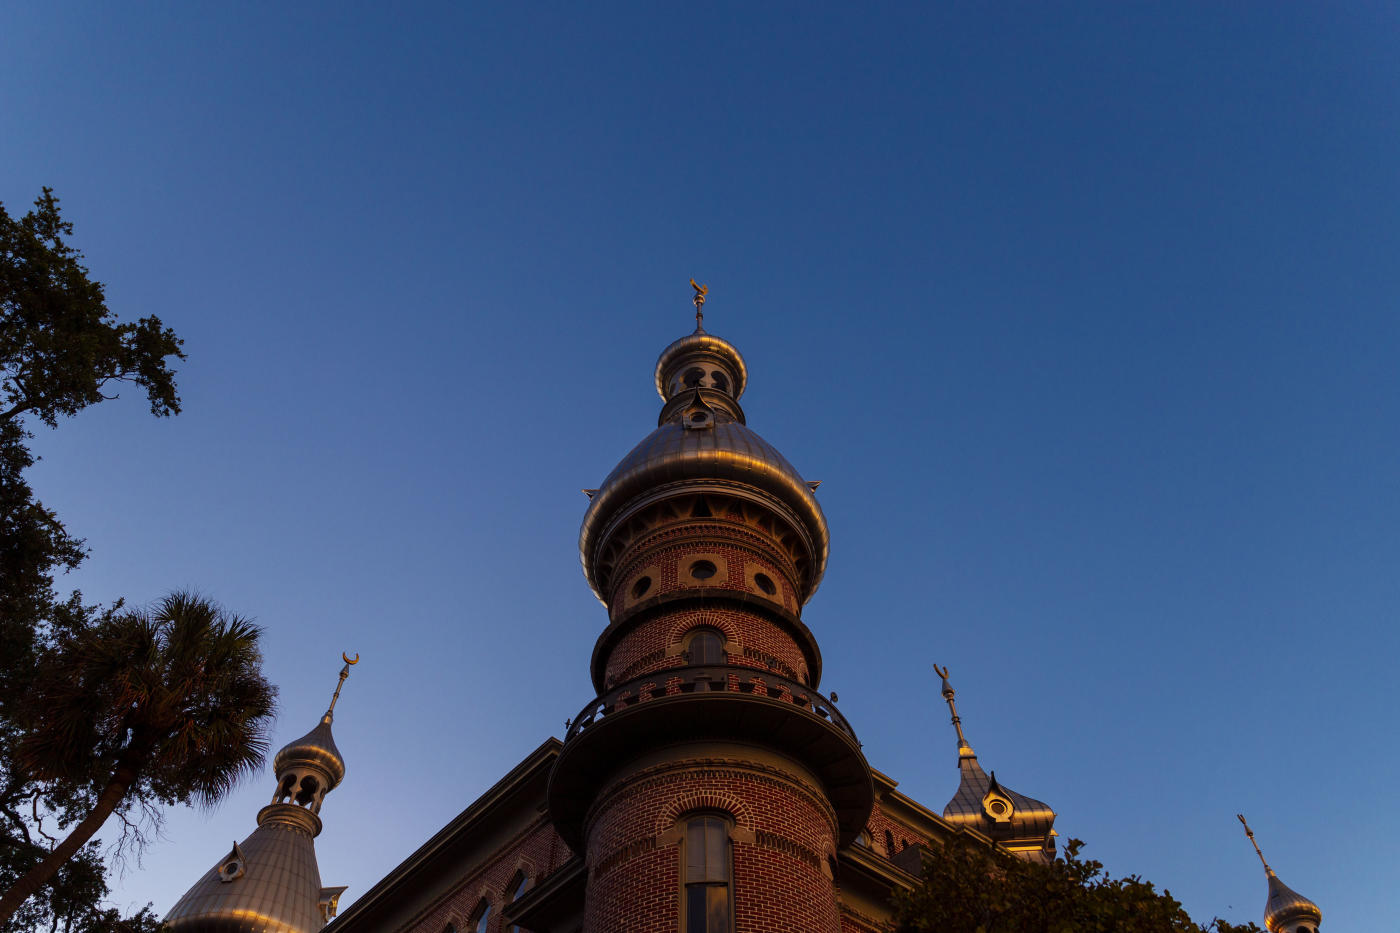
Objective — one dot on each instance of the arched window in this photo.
(519, 885)
(705, 646)
(706, 904)
(482, 917)
(307, 793)
(889, 842)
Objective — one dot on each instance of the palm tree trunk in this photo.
(40, 874)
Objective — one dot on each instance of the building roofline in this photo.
(539, 760)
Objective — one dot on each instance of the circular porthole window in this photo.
(997, 807)
(702, 570)
(765, 583)
(640, 587)
(699, 418)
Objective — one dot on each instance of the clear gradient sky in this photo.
(1086, 315)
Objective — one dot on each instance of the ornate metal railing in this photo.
(689, 680)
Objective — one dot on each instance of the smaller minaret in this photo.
(1286, 911)
(1021, 824)
(269, 883)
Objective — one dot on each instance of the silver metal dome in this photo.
(728, 453)
(1286, 906)
(316, 748)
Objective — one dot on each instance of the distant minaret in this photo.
(1286, 911)
(1021, 824)
(269, 883)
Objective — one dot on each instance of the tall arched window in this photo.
(482, 917)
(519, 885)
(705, 647)
(707, 903)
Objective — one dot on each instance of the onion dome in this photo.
(1020, 823)
(702, 439)
(315, 749)
(1287, 907)
(1286, 911)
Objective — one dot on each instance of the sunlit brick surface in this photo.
(784, 834)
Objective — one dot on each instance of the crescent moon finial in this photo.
(344, 673)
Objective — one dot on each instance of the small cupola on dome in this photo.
(1286, 911)
(311, 767)
(700, 360)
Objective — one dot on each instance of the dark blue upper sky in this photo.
(1085, 315)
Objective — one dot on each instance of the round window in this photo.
(641, 586)
(702, 570)
(997, 807)
(765, 583)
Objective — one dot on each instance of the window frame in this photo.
(694, 635)
(481, 917)
(726, 859)
(520, 883)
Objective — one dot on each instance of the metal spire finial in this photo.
(1250, 833)
(699, 300)
(952, 707)
(344, 673)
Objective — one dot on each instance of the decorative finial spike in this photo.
(699, 300)
(344, 673)
(948, 694)
(1250, 833)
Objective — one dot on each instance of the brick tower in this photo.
(709, 785)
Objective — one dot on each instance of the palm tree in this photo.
(165, 705)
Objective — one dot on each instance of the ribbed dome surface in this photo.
(280, 892)
(1030, 817)
(317, 748)
(727, 451)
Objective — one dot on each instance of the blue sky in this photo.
(1086, 316)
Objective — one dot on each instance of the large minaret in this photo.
(709, 785)
(1021, 824)
(1286, 911)
(269, 883)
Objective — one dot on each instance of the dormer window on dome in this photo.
(996, 804)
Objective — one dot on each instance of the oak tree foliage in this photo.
(969, 888)
(61, 350)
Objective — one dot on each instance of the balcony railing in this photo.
(714, 679)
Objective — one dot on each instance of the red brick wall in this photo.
(903, 835)
(663, 556)
(784, 833)
(537, 851)
(653, 645)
